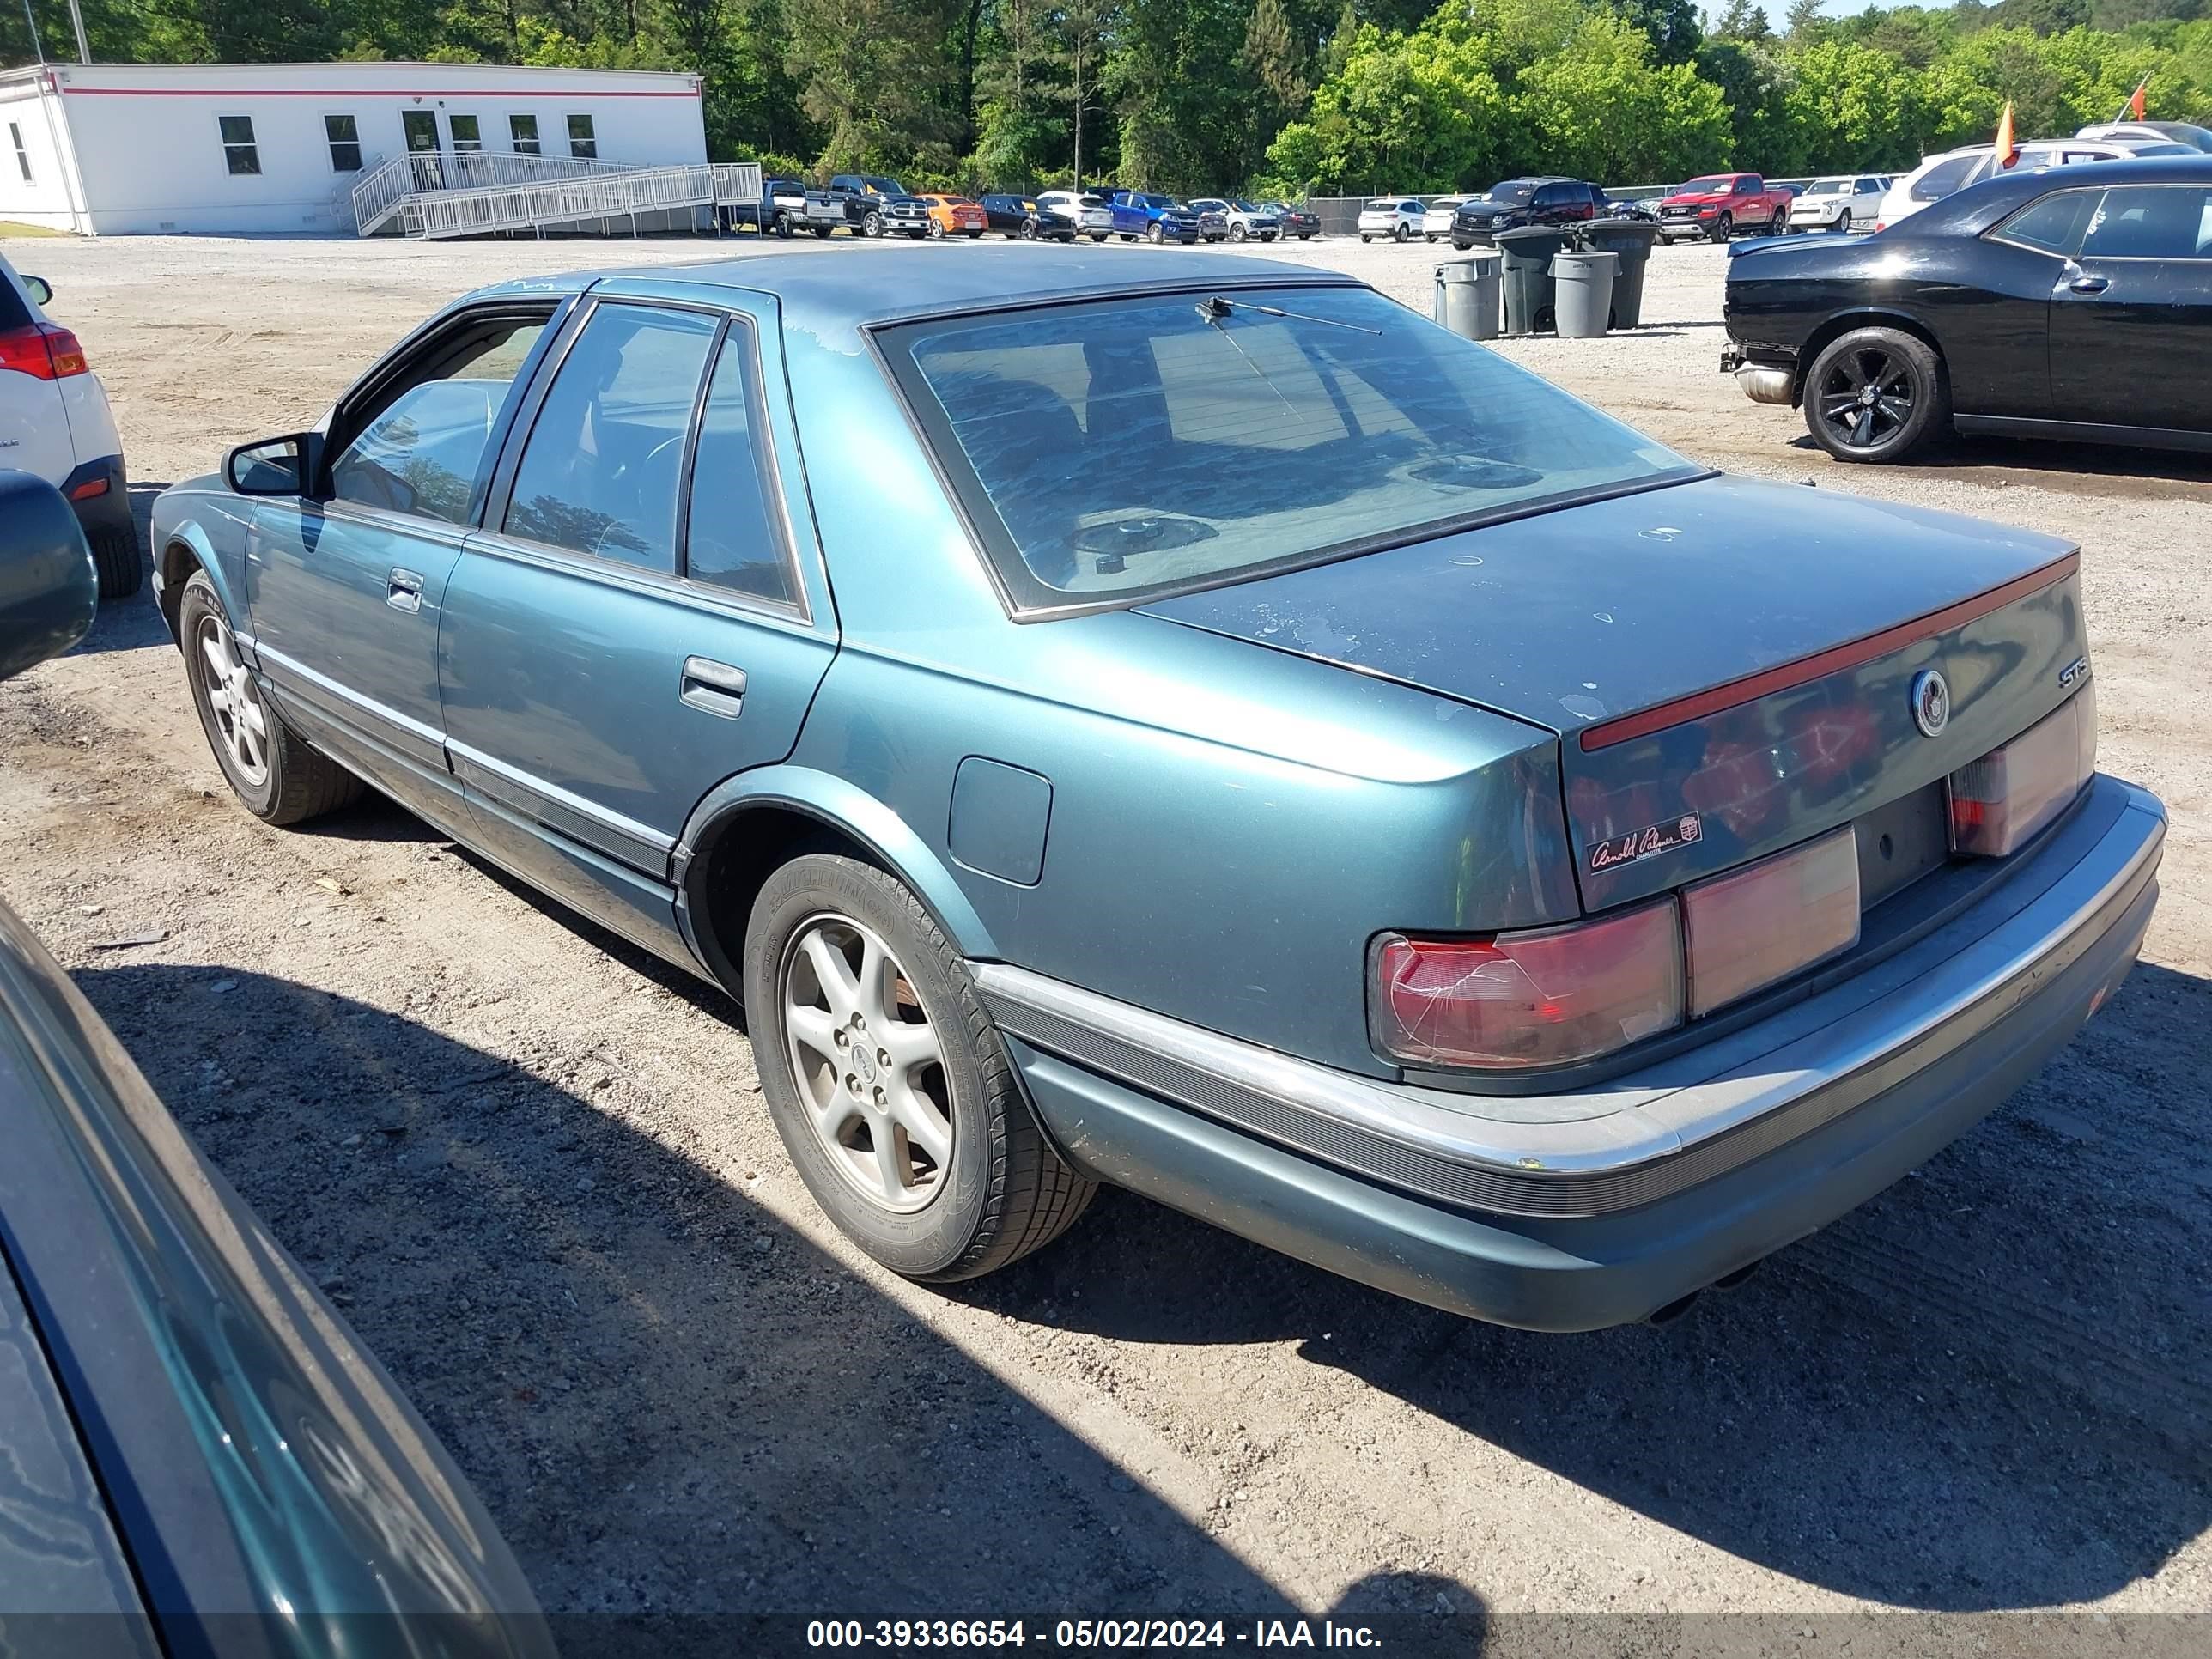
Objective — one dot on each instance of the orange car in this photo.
(952, 215)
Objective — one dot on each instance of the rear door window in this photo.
(600, 471)
(734, 536)
(2152, 222)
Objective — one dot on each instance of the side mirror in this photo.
(275, 466)
(49, 591)
(42, 291)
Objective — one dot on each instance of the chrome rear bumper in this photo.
(1573, 1211)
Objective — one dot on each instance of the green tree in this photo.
(1602, 109)
(1420, 111)
(874, 76)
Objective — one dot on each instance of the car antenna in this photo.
(1215, 307)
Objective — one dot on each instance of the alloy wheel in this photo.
(241, 723)
(867, 1062)
(1866, 397)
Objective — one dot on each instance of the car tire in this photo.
(1127, 236)
(1401, 233)
(872, 224)
(992, 1189)
(1307, 236)
(823, 231)
(1365, 237)
(1723, 227)
(782, 224)
(1462, 247)
(1237, 233)
(1098, 237)
(1157, 234)
(1028, 232)
(1912, 405)
(274, 773)
(115, 556)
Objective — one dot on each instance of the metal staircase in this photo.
(434, 196)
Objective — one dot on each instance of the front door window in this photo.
(421, 451)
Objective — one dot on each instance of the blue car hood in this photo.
(1763, 643)
(1569, 617)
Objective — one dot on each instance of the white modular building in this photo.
(278, 148)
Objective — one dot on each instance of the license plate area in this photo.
(1901, 842)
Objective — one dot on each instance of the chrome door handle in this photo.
(715, 687)
(403, 590)
(2090, 284)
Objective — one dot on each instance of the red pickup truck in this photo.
(1720, 204)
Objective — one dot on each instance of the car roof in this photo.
(1983, 203)
(836, 294)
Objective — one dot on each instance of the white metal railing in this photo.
(609, 195)
(379, 192)
(478, 192)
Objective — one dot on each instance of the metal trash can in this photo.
(1583, 285)
(1466, 296)
(1632, 239)
(1526, 253)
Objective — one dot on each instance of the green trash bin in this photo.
(1530, 297)
(1631, 241)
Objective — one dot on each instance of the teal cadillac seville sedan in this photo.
(1216, 733)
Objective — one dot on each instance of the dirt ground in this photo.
(532, 1164)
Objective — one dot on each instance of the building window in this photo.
(523, 129)
(344, 137)
(581, 141)
(22, 155)
(240, 152)
(467, 135)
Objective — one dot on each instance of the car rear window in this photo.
(1944, 178)
(1112, 452)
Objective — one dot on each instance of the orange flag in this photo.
(2007, 151)
(2135, 103)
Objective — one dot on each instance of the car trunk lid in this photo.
(1730, 666)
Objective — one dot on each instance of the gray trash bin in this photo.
(1466, 296)
(1584, 301)
(1632, 239)
(1526, 253)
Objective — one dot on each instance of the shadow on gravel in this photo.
(1986, 1389)
(2081, 468)
(671, 1402)
(127, 623)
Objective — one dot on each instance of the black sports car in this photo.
(2069, 302)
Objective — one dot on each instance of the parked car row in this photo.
(867, 204)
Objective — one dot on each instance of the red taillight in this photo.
(46, 351)
(1752, 926)
(1537, 998)
(90, 488)
(1556, 995)
(1999, 802)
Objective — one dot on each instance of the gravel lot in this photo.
(532, 1165)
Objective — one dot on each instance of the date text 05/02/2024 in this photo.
(995, 1634)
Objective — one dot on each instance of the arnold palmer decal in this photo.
(1643, 843)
